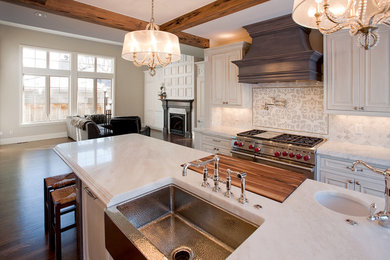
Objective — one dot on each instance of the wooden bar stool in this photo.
(52, 183)
(63, 201)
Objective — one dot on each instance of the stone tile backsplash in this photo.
(304, 110)
(365, 130)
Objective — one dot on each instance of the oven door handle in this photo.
(287, 164)
(243, 154)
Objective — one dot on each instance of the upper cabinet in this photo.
(357, 81)
(223, 74)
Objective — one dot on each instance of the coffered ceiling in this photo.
(209, 21)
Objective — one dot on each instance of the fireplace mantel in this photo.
(178, 103)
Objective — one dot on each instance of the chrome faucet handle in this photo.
(229, 192)
(205, 177)
(242, 199)
(241, 176)
(216, 187)
(372, 212)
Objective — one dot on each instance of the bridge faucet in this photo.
(383, 216)
(215, 159)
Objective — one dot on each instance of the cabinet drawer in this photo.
(215, 149)
(217, 142)
(344, 167)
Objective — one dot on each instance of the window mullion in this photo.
(47, 98)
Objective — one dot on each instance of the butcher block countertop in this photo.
(268, 181)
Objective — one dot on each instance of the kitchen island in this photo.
(119, 168)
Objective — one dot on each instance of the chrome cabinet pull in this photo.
(357, 183)
(355, 108)
(361, 108)
(90, 193)
(350, 168)
(350, 181)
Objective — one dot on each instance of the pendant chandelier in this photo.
(361, 17)
(151, 47)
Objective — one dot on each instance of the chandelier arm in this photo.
(136, 62)
(333, 29)
(343, 18)
(382, 12)
(164, 63)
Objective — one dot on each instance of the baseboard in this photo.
(22, 139)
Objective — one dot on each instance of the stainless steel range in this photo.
(287, 151)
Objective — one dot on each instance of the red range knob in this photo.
(240, 144)
(291, 155)
(299, 156)
(284, 153)
(235, 143)
(250, 146)
(257, 149)
(277, 154)
(306, 157)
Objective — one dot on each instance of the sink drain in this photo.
(182, 253)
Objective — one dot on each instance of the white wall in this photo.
(129, 81)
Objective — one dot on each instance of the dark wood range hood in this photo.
(280, 51)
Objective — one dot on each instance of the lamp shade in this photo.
(142, 44)
(303, 13)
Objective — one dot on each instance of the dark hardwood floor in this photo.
(22, 169)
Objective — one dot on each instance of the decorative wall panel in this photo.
(179, 78)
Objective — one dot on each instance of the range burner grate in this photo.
(251, 132)
(299, 140)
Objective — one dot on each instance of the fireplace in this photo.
(177, 124)
(181, 110)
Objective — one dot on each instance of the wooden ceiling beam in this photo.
(208, 13)
(101, 16)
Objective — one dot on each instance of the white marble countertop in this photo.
(227, 132)
(368, 153)
(119, 168)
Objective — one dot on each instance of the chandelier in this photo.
(151, 47)
(361, 17)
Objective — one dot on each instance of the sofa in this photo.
(95, 126)
(87, 127)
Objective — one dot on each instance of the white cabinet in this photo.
(213, 143)
(337, 171)
(94, 247)
(200, 100)
(153, 111)
(223, 74)
(357, 81)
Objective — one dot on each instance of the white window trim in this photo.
(73, 75)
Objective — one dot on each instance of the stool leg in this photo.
(58, 232)
(51, 223)
(45, 205)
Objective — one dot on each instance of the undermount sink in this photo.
(342, 203)
(180, 225)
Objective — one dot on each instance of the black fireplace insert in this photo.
(177, 124)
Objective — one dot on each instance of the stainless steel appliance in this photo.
(287, 151)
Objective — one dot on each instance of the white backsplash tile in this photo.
(363, 130)
(304, 109)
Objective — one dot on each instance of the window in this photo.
(52, 90)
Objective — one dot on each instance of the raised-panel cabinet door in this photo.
(200, 95)
(338, 180)
(342, 72)
(233, 88)
(218, 62)
(370, 187)
(375, 96)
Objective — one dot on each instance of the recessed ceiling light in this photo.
(40, 14)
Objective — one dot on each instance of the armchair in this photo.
(127, 125)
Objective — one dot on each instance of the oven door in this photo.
(309, 171)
